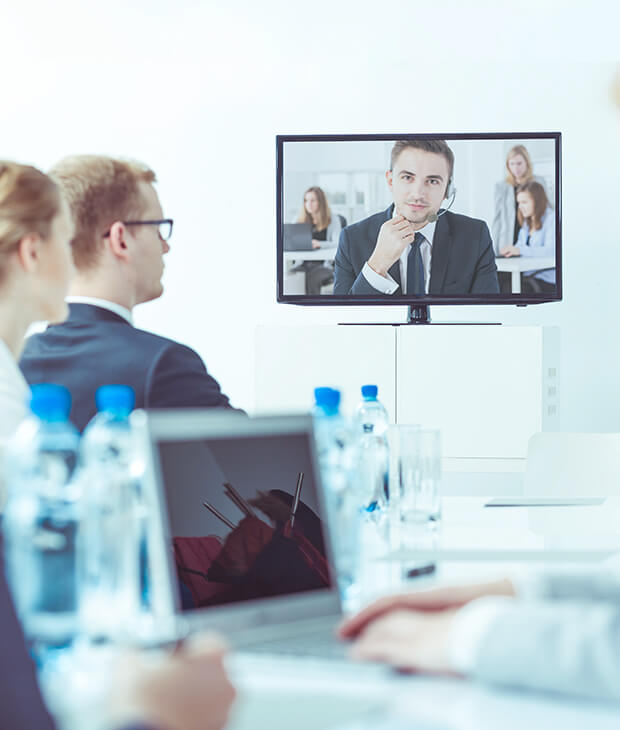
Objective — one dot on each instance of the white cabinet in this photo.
(488, 388)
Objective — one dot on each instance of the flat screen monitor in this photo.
(419, 219)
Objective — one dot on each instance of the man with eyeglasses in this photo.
(121, 237)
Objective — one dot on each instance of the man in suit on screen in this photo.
(121, 237)
(413, 247)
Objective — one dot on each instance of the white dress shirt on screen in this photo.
(387, 285)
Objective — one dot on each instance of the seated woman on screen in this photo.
(506, 226)
(326, 229)
(536, 237)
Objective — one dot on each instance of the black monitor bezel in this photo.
(427, 299)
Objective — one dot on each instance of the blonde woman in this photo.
(505, 228)
(183, 692)
(326, 229)
(35, 269)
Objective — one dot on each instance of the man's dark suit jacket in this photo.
(96, 347)
(462, 260)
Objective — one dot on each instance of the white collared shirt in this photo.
(14, 394)
(104, 304)
(387, 285)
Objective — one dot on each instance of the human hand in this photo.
(436, 599)
(187, 690)
(510, 251)
(394, 237)
(316, 244)
(409, 640)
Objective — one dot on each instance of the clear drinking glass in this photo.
(419, 476)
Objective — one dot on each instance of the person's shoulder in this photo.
(460, 222)
(158, 343)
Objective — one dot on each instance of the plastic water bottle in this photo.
(41, 521)
(372, 426)
(112, 526)
(371, 414)
(334, 443)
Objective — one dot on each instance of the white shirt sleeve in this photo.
(469, 626)
(378, 282)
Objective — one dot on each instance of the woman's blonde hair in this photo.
(324, 215)
(100, 191)
(29, 202)
(519, 149)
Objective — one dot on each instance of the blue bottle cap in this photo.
(369, 392)
(116, 399)
(49, 402)
(327, 398)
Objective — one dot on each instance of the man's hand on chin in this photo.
(413, 641)
(394, 237)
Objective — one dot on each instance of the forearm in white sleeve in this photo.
(386, 285)
(570, 647)
(594, 585)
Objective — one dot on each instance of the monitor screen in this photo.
(419, 219)
(243, 527)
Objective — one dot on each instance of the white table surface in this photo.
(326, 253)
(280, 695)
(516, 264)
(471, 531)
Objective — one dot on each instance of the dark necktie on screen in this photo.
(415, 267)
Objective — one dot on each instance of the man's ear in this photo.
(118, 240)
(29, 251)
(388, 178)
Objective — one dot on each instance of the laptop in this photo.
(239, 543)
(297, 237)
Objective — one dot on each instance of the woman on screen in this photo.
(506, 226)
(536, 237)
(326, 229)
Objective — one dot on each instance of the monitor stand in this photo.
(416, 314)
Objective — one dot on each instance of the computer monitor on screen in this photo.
(421, 219)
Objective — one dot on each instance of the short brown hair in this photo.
(29, 202)
(100, 191)
(541, 203)
(436, 146)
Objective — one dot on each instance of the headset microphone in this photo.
(432, 217)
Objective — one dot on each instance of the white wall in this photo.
(200, 89)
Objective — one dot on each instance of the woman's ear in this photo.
(29, 251)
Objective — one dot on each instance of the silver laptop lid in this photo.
(240, 534)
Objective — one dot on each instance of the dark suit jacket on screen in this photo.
(462, 260)
(97, 347)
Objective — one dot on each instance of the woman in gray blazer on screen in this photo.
(505, 228)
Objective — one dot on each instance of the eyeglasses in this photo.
(164, 226)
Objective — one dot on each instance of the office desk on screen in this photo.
(327, 253)
(516, 264)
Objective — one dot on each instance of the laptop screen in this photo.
(244, 516)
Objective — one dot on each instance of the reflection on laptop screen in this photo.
(244, 518)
